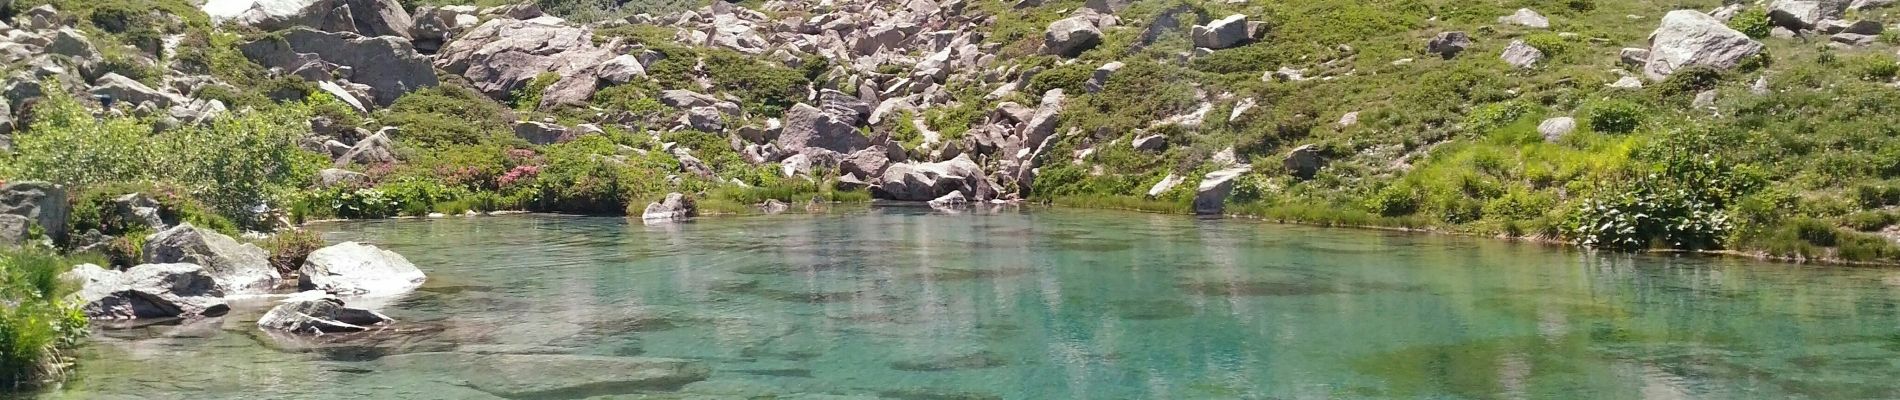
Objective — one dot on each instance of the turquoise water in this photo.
(907, 304)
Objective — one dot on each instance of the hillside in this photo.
(1758, 128)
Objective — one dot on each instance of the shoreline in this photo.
(1545, 241)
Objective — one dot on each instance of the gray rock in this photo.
(773, 207)
(435, 25)
(72, 43)
(868, 162)
(1627, 82)
(541, 133)
(1798, 15)
(319, 313)
(131, 92)
(14, 231)
(1155, 142)
(1211, 197)
(1862, 27)
(239, 268)
(848, 108)
(622, 69)
(363, 17)
(1689, 37)
(1348, 119)
(376, 149)
(1304, 162)
(1448, 44)
(355, 269)
(951, 201)
(504, 55)
(1043, 123)
(1869, 4)
(807, 128)
(387, 64)
(1221, 34)
(1633, 57)
(1069, 37)
(1522, 55)
(1106, 7)
(678, 98)
(148, 291)
(1704, 99)
(548, 376)
(703, 119)
(673, 208)
(929, 181)
(1527, 18)
(1853, 39)
(139, 209)
(1099, 79)
(41, 202)
(1167, 183)
(334, 177)
(1555, 129)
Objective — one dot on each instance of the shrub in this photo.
(1690, 80)
(1873, 68)
(1072, 79)
(1495, 115)
(446, 115)
(1614, 116)
(1394, 201)
(38, 325)
(1753, 22)
(767, 89)
(289, 249)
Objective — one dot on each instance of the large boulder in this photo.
(377, 148)
(435, 25)
(1211, 197)
(1521, 55)
(807, 128)
(363, 17)
(122, 89)
(1069, 37)
(1304, 162)
(929, 181)
(1555, 129)
(389, 65)
(1222, 33)
(355, 269)
(551, 376)
(14, 231)
(674, 207)
(1688, 37)
(1043, 123)
(1448, 44)
(239, 268)
(502, 56)
(1526, 17)
(40, 202)
(148, 291)
(1801, 15)
(868, 162)
(543, 133)
(319, 313)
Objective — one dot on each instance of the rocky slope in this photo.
(1609, 123)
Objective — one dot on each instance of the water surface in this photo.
(908, 304)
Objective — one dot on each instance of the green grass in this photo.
(38, 327)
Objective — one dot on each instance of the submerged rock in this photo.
(1211, 197)
(148, 291)
(675, 207)
(319, 313)
(355, 269)
(239, 268)
(522, 376)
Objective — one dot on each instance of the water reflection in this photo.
(903, 303)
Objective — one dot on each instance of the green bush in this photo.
(1394, 201)
(289, 249)
(1615, 116)
(1873, 68)
(1072, 79)
(1753, 22)
(39, 326)
(447, 115)
(767, 89)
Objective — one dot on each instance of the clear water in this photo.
(907, 304)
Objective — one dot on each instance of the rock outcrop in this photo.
(1069, 37)
(1688, 37)
(1222, 33)
(807, 128)
(929, 181)
(355, 269)
(1211, 197)
(148, 291)
(362, 17)
(673, 208)
(315, 313)
(502, 56)
(387, 64)
(40, 202)
(239, 268)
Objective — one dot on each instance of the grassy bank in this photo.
(38, 325)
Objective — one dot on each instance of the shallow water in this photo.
(907, 304)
